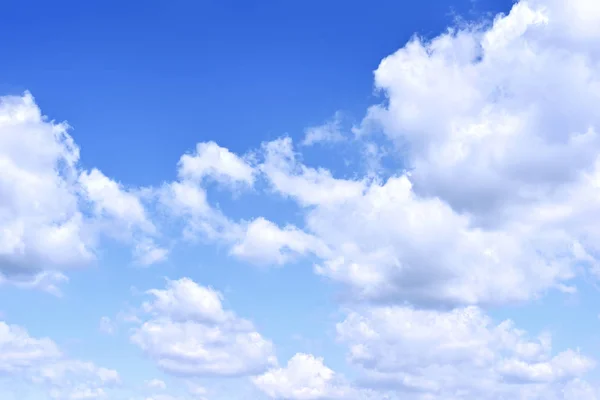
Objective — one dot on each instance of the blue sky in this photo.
(299, 200)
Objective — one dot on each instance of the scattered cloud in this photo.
(187, 332)
(330, 131)
(213, 161)
(41, 362)
(498, 203)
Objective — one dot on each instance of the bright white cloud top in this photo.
(498, 203)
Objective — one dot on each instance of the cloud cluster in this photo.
(499, 202)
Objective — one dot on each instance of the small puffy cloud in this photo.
(443, 352)
(184, 300)
(213, 161)
(330, 131)
(304, 378)
(188, 333)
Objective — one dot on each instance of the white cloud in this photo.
(500, 122)
(19, 351)
(265, 242)
(458, 351)
(184, 300)
(42, 227)
(41, 362)
(52, 214)
(308, 186)
(147, 252)
(211, 160)
(119, 212)
(111, 200)
(190, 334)
(304, 378)
(187, 200)
(330, 131)
(75, 380)
(259, 240)
(383, 240)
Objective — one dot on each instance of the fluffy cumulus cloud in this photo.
(39, 361)
(304, 378)
(499, 124)
(187, 332)
(389, 248)
(53, 213)
(213, 161)
(455, 354)
(42, 227)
